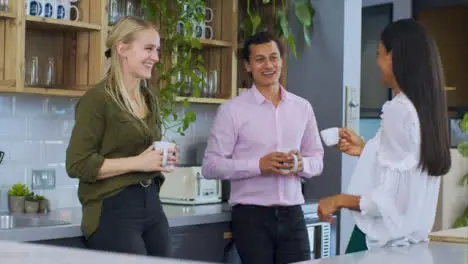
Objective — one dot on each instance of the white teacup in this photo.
(167, 148)
(330, 136)
(296, 162)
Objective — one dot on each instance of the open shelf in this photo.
(7, 15)
(54, 24)
(201, 100)
(215, 43)
(55, 92)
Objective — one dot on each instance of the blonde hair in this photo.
(124, 32)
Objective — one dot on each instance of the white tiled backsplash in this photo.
(34, 134)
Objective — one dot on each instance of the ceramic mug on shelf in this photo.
(34, 7)
(64, 8)
(49, 10)
(203, 31)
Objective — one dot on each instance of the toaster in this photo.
(186, 185)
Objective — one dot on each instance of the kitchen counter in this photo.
(178, 215)
(13, 252)
(425, 253)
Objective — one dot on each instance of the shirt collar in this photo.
(259, 98)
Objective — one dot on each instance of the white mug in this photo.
(330, 136)
(167, 148)
(64, 8)
(49, 8)
(34, 7)
(207, 13)
(203, 31)
(296, 161)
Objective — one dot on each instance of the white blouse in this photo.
(398, 200)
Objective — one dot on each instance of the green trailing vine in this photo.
(462, 220)
(304, 13)
(180, 57)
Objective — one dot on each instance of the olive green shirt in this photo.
(104, 131)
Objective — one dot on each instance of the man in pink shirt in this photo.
(252, 143)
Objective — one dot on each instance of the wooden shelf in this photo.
(7, 15)
(5, 89)
(215, 43)
(201, 100)
(54, 92)
(54, 24)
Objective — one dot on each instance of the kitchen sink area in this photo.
(25, 221)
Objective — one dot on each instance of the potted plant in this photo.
(462, 220)
(16, 197)
(31, 204)
(181, 59)
(43, 204)
(272, 15)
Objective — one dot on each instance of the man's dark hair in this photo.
(260, 38)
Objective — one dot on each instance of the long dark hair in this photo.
(418, 71)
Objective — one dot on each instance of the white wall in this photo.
(351, 78)
(34, 134)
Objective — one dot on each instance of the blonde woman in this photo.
(111, 153)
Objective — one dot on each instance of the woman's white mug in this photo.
(167, 148)
(330, 136)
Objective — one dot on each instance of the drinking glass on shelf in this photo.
(213, 83)
(3, 5)
(187, 91)
(32, 72)
(130, 8)
(205, 91)
(50, 76)
(114, 13)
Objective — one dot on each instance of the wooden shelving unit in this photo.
(35, 22)
(201, 100)
(7, 15)
(77, 49)
(74, 47)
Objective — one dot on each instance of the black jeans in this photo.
(133, 221)
(270, 235)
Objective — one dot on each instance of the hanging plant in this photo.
(180, 58)
(462, 220)
(303, 11)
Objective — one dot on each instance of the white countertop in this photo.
(177, 215)
(424, 253)
(12, 252)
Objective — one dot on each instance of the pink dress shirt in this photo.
(248, 127)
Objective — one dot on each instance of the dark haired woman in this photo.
(393, 192)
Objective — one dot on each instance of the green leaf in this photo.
(191, 116)
(302, 13)
(306, 36)
(464, 123)
(266, 1)
(292, 44)
(463, 181)
(463, 148)
(256, 20)
(283, 21)
(460, 222)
